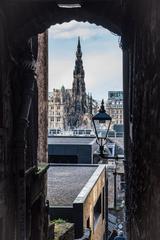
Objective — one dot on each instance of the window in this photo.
(122, 183)
(103, 203)
(88, 223)
(97, 210)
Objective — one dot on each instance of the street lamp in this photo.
(101, 122)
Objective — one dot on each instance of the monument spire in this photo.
(79, 52)
(78, 88)
(78, 63)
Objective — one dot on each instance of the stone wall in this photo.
(7, 180)
(42, 82)
(18, 139)
(143, 170)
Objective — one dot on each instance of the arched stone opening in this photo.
(37, 17)
(24, 22)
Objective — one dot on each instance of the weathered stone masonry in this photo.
(19, 192)
(42, 76)
(144, 119)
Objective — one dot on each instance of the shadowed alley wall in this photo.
(143, 145)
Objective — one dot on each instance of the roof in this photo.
(65, 182)
(118, 141)
(71, 140)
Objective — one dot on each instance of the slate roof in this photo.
(66, 182)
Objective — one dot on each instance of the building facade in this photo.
(72, 108)
(114, 106)
(71, 149)
(58, 107)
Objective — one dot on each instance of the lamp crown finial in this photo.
(102, 106)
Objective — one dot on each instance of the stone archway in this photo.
(24, 22)
(36, 17)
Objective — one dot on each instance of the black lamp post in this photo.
(101, 122)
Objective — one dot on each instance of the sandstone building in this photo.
(58, 107)
(114, 106)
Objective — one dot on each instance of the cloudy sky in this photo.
(102, 57)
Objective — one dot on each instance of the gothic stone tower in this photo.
(78, 88)
(78, 104)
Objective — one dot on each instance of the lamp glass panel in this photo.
(101, 128)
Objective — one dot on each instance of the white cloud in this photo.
(103, 73)
(60, 73)
(74, 29)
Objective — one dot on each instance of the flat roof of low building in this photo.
(118, 141)
(65, 182)
(71, 140)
